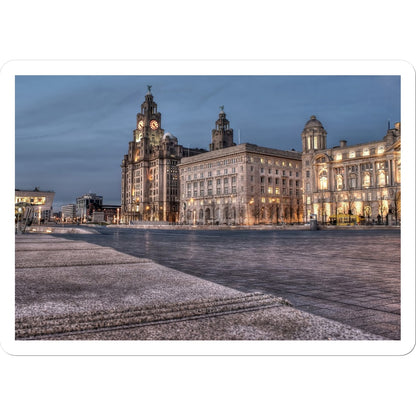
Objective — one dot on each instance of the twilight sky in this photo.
(73, 131)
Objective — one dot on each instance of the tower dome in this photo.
(313, 122)
(313, 135)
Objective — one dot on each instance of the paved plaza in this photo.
(78, 291)
(350, 276)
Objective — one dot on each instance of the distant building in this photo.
(362, 180)
(69, 212)
(240, 184)
(111, 213)
(87, 204)
(40, 200)
(97, 216)
(149, 172)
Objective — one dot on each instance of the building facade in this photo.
(240, 184)
(362, 180)
(149, 172)
(87, 204)
(68, 212)
(41, 201)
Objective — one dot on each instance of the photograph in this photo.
(201, 207)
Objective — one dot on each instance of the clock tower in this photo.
(222, 135)
(148, 121)
(149, 172)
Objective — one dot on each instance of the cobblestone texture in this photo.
(351, 276)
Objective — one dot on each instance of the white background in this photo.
(207, 385)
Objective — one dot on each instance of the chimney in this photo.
(342, 143)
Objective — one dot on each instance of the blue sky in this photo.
(73, 131)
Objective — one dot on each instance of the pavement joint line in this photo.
(144, 261)
(63, 249)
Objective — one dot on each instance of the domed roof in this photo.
(313, 122)
(168, 135)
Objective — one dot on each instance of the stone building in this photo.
(240, 184)
(361, 180)
(149, 172)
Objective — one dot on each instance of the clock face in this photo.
(140, 125)
(154, 124)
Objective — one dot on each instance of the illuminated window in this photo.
(340, 182)
(366, 180)
(323, 180)
(338, 156)
(270, 189)
(380, 149)
(352, 153)
(366, 151)
(381, 179)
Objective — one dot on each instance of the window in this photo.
(323, 180)
(353, 181)
(340, 182)
(308, 174)
(366, 180)
(382, 179)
